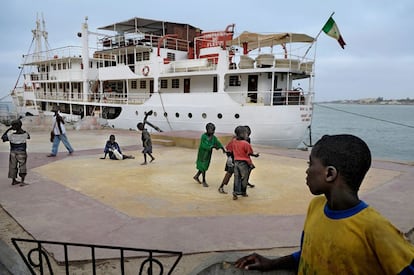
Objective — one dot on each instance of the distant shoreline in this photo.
(373, 101)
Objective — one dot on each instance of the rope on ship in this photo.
(163, 108)
(361, 115)
(20, 73)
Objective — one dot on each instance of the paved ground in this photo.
(83, 199)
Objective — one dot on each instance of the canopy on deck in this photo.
(143, 25)
(257, 40)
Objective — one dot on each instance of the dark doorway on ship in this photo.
(215, 84)
(186, 85)
(252, 87)
(151, 87)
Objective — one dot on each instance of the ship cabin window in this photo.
(165, 114)
(143, 56)
(164, 83)
(204, 115)
(64, 66)
(171, 56)
(146, 55)
(234, 80)
(219, 115)
(91, 64)
(237, 116)
(133, 84)
(175, 83)
(54, 67)
(59, 66)
(190, 115)
(142, 84)
(177, 115)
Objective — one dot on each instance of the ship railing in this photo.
(146, 261)
(108, 97)
(36, 76)
(63, 52)
(141, 39)
(192, 65)
(58, 95)
(270, 98)
(138, 98)
(269, 60)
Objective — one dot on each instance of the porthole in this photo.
(204, 115)
(136, 112)
(190, 115)
(165, 114)
(177, 115)
(237, 116)
(219, 115)
(155, 114)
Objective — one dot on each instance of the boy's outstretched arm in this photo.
(4, 137)
(258, 262)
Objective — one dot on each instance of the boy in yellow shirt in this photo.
(342, 234)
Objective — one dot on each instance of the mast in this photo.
(39, 33)
(85, 60)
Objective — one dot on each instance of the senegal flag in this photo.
(332, 30)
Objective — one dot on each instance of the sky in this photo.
(378, 60)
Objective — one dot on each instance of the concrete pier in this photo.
(81, 198)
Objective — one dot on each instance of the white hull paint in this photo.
(285, 126)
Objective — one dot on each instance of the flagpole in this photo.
(316, 38)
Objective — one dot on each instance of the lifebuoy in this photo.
(145, 70)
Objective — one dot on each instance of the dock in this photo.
(84, 199)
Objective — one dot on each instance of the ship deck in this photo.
(81, 198)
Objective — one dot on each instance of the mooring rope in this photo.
(362, 115)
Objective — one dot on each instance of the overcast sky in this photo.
(378, 60)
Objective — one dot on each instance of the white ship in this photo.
(182, 76)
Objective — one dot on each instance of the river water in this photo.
(387, 129)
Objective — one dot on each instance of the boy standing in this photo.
(146, 143)
(18, 153)
(208, 141)
(229, 167)
(342, 234)
(242, 150)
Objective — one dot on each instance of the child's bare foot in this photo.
(152, 160)
(144, 163)
(23, 184)
(196, 179)
(205, 184)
